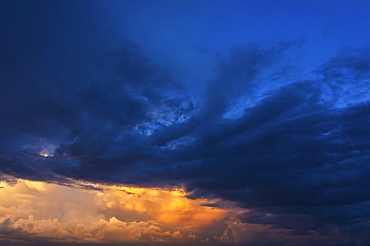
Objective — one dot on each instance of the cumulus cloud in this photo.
(240, 233)
(102, 231)
(38, 211)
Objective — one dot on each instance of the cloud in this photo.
(239, 233)
(237, 74)
(297, 149)
(103, 231)
(38, 211)
(83, 95)
(346, 76)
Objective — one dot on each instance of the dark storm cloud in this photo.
(72, 85)
(296, 151)
(237, 74)
(73, 88)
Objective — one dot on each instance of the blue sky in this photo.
(184, 122)
(193, 32)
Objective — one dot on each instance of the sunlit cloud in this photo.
(104, 214)
(81, 212)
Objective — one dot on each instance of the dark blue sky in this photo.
(263, 103)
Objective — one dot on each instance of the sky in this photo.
(168, 122)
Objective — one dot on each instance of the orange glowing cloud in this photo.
(163, 206)
(103, 215)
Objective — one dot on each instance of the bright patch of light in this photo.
(87, 212)
(3, 184)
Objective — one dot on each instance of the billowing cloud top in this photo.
(81, 101)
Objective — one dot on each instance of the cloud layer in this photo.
(38, 211)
